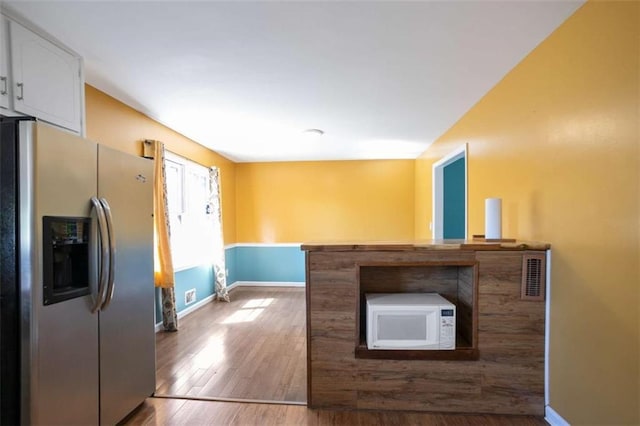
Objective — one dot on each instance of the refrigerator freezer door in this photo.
(127, 338)
(60, 359)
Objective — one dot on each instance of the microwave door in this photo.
(405, 329)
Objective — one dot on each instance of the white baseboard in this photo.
(208, 299)
(267, 284)
(195, 306)
(553, 418)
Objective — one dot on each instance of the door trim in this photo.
(437, 219)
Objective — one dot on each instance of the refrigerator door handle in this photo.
(112, 254)
(104, 254)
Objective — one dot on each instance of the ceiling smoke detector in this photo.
(314, 133)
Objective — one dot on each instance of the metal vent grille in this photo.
(533, 277)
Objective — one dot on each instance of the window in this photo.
(192, 229)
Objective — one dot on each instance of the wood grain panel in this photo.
(164, 411)
(410, 279)
(330, 348)
(462, 353)
(390, 258)
(466, 306)
(508, 377)
(466, 278)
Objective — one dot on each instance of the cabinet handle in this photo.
(21, 95)
(4, 85)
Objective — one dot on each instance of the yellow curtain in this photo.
(163, 265)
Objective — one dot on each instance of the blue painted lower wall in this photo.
(246, 262)
(199, 277)
(269, 263)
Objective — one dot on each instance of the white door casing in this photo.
(437, 216)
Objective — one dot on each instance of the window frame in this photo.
(186, 248)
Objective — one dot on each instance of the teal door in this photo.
(453, 209)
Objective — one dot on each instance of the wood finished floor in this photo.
(163, 411)
(251, 348)
(255, 348)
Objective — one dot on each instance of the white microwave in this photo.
(422, 321)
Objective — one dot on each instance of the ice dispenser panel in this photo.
(65, 258)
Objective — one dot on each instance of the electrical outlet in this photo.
(189, 296)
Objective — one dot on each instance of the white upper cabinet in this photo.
(46, 79)
(4, 65)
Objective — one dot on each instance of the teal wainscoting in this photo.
(199, 277)
(230, 256)
(246, 263)
(282, 263)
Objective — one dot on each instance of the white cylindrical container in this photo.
(493, 218)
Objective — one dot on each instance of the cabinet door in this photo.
(4, 66)
(46, 79)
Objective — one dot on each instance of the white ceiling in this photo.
(382, 79)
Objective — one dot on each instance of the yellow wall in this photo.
(278, 202)
(558, 139)
(114, 124)
(327, 200)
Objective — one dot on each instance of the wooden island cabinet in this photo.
(498, 363)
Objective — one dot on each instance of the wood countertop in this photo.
(423, 245)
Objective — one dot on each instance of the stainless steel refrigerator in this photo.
(77, 258)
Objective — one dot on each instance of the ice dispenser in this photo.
(65, 258)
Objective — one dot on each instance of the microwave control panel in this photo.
(447, 329)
